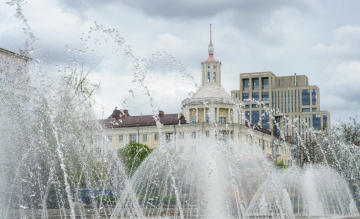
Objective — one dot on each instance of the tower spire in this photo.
(210, 37)
(211, 49)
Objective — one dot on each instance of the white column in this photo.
(114, 140)
(188, 115)
(229, 119)
(196, 116)
(235, 116)
(218, 114)
(150, 139)
(204, 114)
(212, 114)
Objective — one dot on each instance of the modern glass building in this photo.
(289, 96)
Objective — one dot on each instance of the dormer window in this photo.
(208, 77)
(214, 79)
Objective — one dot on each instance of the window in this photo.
(255, 117)
(265, 83)
(222, 119)
(265, 120)
(245, 84)
(314, 109)
(208, 66)
(193, 120)
(132, 138)
(214, 66)
(254, 106)
(247, 106)
(168, 137)
(121, 138)
(207, 119)
(207, 134)
(144, 137)
(306, 109)
(313, 96)
(255, 95)
(19, 71)
(156, 137)
(316, 121)
(214, 77)
(247, 116)
(109, 138)
(193, 134)
(181, 135)
(265, 96)
(97, 151)
(6, 67)
(98, 138)
(255, 83)
(305, 97)
(245, 96)
(325, 120)
(208, 80)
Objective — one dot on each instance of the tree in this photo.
(133, 155)
(350, 131)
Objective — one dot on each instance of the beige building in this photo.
(289, 96)
(12, 63)
(211, 114)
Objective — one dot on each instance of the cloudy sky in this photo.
(320, 39)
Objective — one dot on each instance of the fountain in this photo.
(49, 170)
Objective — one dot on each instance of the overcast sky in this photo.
(320, 39)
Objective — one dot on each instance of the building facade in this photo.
(210, 114)
(288, 96)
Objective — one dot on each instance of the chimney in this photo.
(161, 113)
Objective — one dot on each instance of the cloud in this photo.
(345, 44)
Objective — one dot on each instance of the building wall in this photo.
(283, 99)
(239, 134)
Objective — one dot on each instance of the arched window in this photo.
(208, 77)
(214, 79)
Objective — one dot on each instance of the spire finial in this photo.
(210, 37)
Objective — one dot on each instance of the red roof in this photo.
(146, 120)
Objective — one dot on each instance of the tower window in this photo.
(208, 77)
(214, 77)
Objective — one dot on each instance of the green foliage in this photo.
(133, 155)
(280, 164)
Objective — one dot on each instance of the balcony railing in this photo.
(211, 100)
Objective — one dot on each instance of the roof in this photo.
(211, 91)
(146, 120)
(14, 54)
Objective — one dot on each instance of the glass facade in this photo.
(325, 120)
(247, 116)
(316, 121)
(245, 84)
(255, 83)
(265, 96)
(255, 117)
(255, 95)
(265, 120)
(313, 96)
(265, 83)
(245, 96)
(305, 97)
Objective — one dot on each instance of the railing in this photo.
(211, 100)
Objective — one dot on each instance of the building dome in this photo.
(211, 91)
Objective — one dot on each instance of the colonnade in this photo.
(233, 114)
